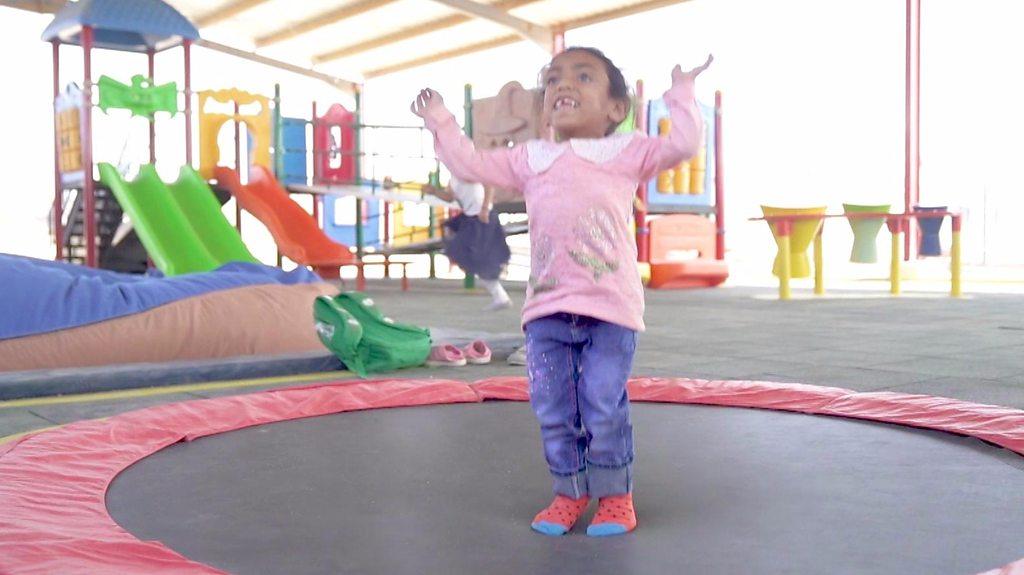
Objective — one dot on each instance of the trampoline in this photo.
(448, 482)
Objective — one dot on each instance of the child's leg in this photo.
(606, 361)
(552, 364)
(553, 368)
(499, 297)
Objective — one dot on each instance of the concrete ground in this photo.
(968, 348)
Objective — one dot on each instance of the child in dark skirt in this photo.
(474, 239)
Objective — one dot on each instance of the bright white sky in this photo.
(813, 93)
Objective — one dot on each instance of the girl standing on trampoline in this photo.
(584, 302)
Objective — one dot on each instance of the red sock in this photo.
(615, 515)
(559, 517)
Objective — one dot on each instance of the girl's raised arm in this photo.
(501, 167)
(686, 136)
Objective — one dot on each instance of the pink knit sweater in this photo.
(579, 199)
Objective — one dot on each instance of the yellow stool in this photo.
(801, 234)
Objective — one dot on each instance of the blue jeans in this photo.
(578, 367)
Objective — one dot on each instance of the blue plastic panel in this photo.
(656, 110)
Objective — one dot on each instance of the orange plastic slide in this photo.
(296, 233)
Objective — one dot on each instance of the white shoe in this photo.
(498, 305)
(518, 356)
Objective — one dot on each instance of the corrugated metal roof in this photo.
(360, 39)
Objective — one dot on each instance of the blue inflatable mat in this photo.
(41, 296)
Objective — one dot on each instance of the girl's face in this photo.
(576, 97)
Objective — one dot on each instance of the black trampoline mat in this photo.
(451, 489)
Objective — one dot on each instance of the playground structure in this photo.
(181, 224)
(377, 217)
(681, 245)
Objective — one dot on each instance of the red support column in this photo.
(719, 182)
(558, 43)
(91, 257)
(187, 46)
(58, 188)
(150, 58)
(912, 153)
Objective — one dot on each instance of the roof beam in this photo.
(40, 6)
(319, 21)
(225, 12)
(460, 51)
(617, 13)
(504, 40)
(339, 83)
(540, 35)
(407, 33)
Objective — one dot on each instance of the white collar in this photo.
(541, 154)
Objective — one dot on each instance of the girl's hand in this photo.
(426, 100)
(678, 76)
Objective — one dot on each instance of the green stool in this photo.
(865, 231)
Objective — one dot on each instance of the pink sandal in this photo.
(477, 352)
(446, 355)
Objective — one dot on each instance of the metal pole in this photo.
(435, 180)
(58, 187)
(151, 60)
(643, 230)
(187, 46)
(470, 281)
(358, 174)
(917, 117)
(954, 259)
(89, 217)
(719, 182)
(278, 146)
(316, 154)
(895, 224)
(912, 157)
(784, 228)
(238, 168)
(819, 260)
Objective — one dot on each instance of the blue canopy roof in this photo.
(130, 25)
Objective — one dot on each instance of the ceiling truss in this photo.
(465, 11)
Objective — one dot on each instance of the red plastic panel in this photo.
(344, 151)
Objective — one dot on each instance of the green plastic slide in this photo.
(196, 200)
(180, 225)
(364, 339)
